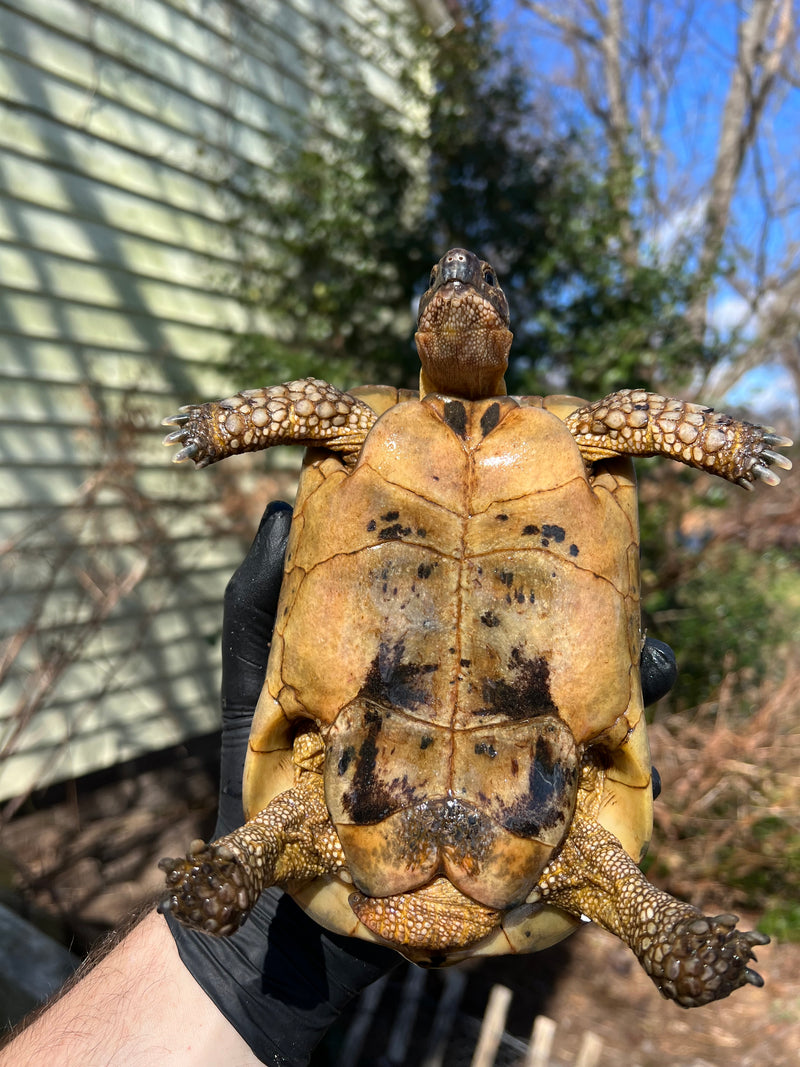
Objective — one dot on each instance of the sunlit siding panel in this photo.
(119, 120)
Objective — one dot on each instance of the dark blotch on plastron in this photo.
(393, 683)
(490, 619)
(390, 516)
(549, 779)
(523, 694)
(483, 748)
(501, 518)
(506, 577)
(455, 416)
(573, 550)
(372, 525)
(529, 531)
(601, 757)
(426, 742)
(370, 799)
(554, 533)
(424, 570)
(490, 418)
(395, 532)
(549, 800)
(365, 801)
(345, 759)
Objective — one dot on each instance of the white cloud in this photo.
(683, 222)
(765, 390)
(731, 312)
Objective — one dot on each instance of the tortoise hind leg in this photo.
(215, 886)
(304, 412)
(692, 958)
(633, 422)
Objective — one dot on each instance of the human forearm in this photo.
(138, 1006)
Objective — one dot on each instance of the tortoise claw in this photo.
(777, 459)
(176, 420)
(778, 440)
(179, 436)
(762, 471)
(176, 435)
(764, 459)
(189, 452)
(194, 434)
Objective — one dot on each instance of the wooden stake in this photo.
(494, 1022)
(541, 1042)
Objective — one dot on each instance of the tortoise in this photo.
(449, 755)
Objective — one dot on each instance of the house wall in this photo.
(120, 118)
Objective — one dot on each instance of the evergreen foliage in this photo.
(337, 244)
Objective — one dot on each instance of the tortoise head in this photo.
(462, 335)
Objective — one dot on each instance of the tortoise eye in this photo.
(488, 277)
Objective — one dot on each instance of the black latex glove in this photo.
(659, 673)
(282, 980)
(659, 670)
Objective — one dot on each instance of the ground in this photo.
(86, 856)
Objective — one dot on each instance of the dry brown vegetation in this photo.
(727, 830)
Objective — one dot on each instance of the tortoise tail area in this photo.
(633, 422)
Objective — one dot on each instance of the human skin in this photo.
(167, 1020)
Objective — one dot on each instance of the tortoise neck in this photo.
(471, 366)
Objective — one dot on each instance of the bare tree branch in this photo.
(636, 67)
(752, 79)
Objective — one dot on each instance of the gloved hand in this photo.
(282, 980)
(659, 670)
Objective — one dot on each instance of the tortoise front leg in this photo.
(215, 886)
(692, 958)
(633, 422)
(304, 412)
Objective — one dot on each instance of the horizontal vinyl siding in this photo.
(120, 119)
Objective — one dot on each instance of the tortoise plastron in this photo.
(449, 755)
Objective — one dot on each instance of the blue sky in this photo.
(686, 153)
